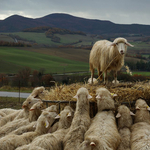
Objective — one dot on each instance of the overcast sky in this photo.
(117, 11)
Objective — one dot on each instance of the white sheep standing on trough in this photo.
(106, 56)
(140, 131)
(44, 122)
(125, 122)
(53, 141)
(102, 133)
(81, 121)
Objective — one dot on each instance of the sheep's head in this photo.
(52, 108)
(37, 106)
(37, 91)
(124, 111)
(141, 104)
(28, 103)
(45, 121)
(104, 99)
(121, 44)
(65, 117)
(124, 117)
(83, 94)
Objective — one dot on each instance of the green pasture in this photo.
(70, 38)
(140, 46)
(6, 38)
(41, 38)
(143, 73)
(14, 59)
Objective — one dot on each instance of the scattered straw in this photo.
(127, 92)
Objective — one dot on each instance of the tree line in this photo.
(139, 65)
(27, 78)
(14, 44)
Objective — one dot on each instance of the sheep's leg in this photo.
(92, 72)
(100, 74)
(115, 77)
(105, 77)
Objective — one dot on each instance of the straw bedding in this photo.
(127, 93)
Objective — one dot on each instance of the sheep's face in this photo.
(37, 91)
(121, 44)
(39, 105)
(141, 104)
(29, 102)
(121, 48)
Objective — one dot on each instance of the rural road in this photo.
(14, 94)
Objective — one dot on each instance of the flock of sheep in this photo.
(38, 128)
(35, 127)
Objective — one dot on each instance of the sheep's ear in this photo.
(98, 97)
(36, 99)
(76, 96)
(92, 144)
(46, 124)
(131, 113)
(34, 126)
(118, 115)
(58, 116)
(129, 44)
(137, 108)
(69, 114)
(89, 97)
(113, 94)
(32, 108)
(112, 44)
(148, 108)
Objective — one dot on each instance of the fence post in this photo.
(19, 91)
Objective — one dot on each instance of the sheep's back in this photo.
(140, 136)
(104, 130)
(125, 139)
(97, 50)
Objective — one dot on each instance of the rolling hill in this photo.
(16, 23)
(14, 59)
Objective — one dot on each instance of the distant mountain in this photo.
(18, 23)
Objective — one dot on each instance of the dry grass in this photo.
(127, 93)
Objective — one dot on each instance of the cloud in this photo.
(117, 11)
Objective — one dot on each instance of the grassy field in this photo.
(41, 38)
(143, 73)
(8, 102)
(6, 38)
(13, 59)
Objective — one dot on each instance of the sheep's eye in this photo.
(116, 43)
(29, 102)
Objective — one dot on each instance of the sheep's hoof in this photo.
(117, 82)
(95, 81)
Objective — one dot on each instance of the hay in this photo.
(127, 92)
